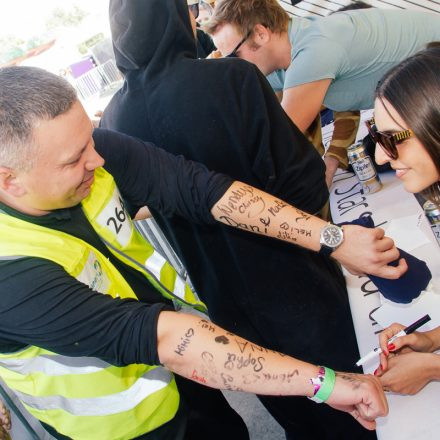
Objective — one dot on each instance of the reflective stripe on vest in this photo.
(54, 365)
(152, 381)
(87, 398)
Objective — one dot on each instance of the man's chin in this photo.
(75, 200)
(81, 195)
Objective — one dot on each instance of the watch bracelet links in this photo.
(323, 384)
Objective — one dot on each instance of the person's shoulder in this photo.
(232, 66)
(405, 15)
(101, 135)
(106, 138)
(223, 74)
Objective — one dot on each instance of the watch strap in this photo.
(325, 250)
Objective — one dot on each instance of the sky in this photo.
(26, 18)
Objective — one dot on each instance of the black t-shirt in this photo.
(44, 306)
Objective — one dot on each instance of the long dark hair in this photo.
(413, 89)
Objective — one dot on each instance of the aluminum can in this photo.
(432, 212)
(364, 168)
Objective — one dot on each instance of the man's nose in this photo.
(94, 161)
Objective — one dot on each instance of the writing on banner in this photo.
(348, 202)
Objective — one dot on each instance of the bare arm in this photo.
(302, 103)
(346, 125)
(363, 250)
(331, 165)
(199, 350)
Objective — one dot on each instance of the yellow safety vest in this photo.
(85, 397)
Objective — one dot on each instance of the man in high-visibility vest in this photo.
(88, 334)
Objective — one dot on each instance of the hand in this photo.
(361, 396)
(5, 422)
(215, 54)
(417, 341)
(366, 250)
(408, 373)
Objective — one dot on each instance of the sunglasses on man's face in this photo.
(233, 54)
(387, 141)
(194, 9)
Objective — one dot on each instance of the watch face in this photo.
(332, 236)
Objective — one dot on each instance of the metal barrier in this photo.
(98, 79)
(151, 231)
(306, 8)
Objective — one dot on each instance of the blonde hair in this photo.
(245, 14)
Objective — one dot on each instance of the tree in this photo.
(67, 18)
(11, 47)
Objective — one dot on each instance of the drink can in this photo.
(432, 212)
(364, 168)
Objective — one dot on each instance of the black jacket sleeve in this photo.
(147, 175)
(42, 305)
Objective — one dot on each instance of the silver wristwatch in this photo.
(331, 238)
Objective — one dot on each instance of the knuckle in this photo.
(375, 258)
(393, 274)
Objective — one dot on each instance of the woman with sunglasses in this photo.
(407, 135)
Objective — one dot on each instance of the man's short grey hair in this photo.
(28, 95)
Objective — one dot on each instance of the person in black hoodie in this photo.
(224, 114)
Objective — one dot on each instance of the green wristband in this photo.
(326, 387)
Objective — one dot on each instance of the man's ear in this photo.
(10, 183)
(262, 34)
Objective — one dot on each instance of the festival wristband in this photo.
(323, 384)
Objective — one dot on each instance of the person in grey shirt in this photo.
(336, 60)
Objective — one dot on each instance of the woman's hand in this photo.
(408, 373)
(417, 341)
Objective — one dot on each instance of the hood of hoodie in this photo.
(150, 34)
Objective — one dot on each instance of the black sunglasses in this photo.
(233, 54)
(387, 141)
(194, 9)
